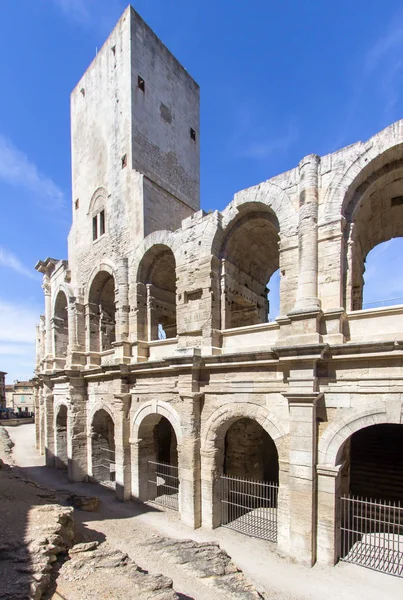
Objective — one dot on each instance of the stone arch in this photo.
(97, 407)
(338, 432)
(60, 324)
(364, 154)
(145, 444)
(212, 454)
(367, 197)
(99, 197)
(101, 308)
(160, 408)
(222, 418)
(103, 444)
(156, 294)
(163, 238)
(108, 267)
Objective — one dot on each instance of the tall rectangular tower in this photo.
(135, 144)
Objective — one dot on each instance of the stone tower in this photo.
(135, 145)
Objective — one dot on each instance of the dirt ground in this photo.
(131, 527)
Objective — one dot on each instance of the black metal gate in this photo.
(163, 484)
(249, 507)
(372, 534)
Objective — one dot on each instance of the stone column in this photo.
(49, 426)
(307, 292)
(92, 334)
(76, 331)
(48, 320)
(77, 430)
(122, 446)
(328, 540)
(152, 327)
(122, 345)
(302, 477)
(189, 460)
(41, 418)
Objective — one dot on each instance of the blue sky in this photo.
(279, 80)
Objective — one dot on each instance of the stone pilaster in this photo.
(76, 332)
(302, 476)
(77, 440)
(122, 446)
(49, 425)
(122, 345)
(189, 460)
(328, 528)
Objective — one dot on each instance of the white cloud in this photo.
(18, 170)
(8, 259)
(17, 339)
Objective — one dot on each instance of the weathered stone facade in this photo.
(145, 263)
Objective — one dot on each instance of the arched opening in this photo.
(102, 312)
(371, 511)
(103, 448)
(158, 459)
(373, 209)
(60, 326)
(61, 438)
(249, 480)
(383, 282)
(156, 291)
(249, 259)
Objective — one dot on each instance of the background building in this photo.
(20, 396)
(2, 389)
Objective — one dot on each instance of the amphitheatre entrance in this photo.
(103, 448)
(371, 503)
(249, 480)
(158, 458)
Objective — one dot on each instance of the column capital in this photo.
(329, 470)
(303, 398)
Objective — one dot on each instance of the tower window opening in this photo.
(141, 83)
(102, 222)
(94, 228)
(124, 161)
(192, 134)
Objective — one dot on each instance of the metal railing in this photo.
(163, 484)
(372, 534)
(249, 506)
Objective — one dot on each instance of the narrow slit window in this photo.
(94, 228)
(141, 83)
(102, 222)
(192, 134)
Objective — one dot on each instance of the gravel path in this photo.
(132, 527)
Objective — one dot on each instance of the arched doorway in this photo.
(249, 480)
(249, 259)
(371, 502)
(103, 448)
(60, 327)
(102, 313)
(158, 459)
(61, 438)
(156, 291)
(373, 209)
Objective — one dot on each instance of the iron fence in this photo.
(163, 484)
(372, 534)
(249, 506)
